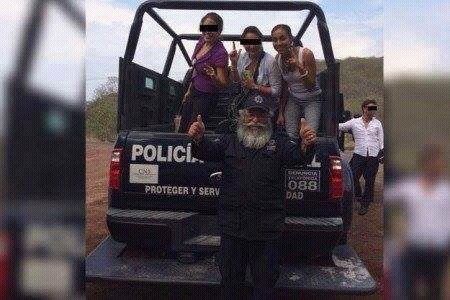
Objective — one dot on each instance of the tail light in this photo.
(4, 265)
(115, 169)
(336, 179)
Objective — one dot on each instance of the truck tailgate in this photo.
(159, 172)
(112, 261)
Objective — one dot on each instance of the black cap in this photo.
(259, 101)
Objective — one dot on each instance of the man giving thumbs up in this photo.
(251, 193)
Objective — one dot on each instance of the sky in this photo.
(411, 35)
(416, 38)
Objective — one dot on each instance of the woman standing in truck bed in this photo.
(298, 69)
(253, 70)
(254, 62)
(209, 76)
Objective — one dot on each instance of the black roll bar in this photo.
(169, 59)
(147, 7)
(223, 37)
(169, 30)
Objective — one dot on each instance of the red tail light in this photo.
(336, 180)
(115, 169)
(4, 265)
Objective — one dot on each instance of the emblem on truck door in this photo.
(144, 173)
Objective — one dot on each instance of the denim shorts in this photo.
(297, 108)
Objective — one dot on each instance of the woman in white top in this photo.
(297, 66)
(243, 67)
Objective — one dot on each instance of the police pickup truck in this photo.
(161, 197)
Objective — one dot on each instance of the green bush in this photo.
(101, 117)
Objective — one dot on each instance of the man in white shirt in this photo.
(425, 199)
(369, 148)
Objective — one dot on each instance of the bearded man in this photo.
(251, 204)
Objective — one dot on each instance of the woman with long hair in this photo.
(297, 66)
(254, 68)
(209, 76)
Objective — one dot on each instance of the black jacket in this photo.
(251, 202)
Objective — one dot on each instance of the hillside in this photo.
(360, 78)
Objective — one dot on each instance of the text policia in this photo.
(177, 154)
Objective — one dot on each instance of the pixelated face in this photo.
(252, 49)
(434, 166)
(281, 41)
(370, 109)
(210, 36)
(256, 117)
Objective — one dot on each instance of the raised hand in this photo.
(293, 61)
(197, 129)
(306, 133)
(234, 55)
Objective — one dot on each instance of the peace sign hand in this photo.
(234, 55)
(293, 61)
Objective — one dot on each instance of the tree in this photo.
(111, 86)
(101, 113)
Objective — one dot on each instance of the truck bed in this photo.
(112, 261)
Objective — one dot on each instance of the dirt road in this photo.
(365, 236)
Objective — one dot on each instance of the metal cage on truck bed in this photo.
(132, 114)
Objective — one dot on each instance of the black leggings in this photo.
(262, 256)
(199, 103)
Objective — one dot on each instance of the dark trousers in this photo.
(426, 265)
(199, 103)
(368, 167)
(263, 258)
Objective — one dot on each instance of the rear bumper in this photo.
(186, 231)
(115, 262)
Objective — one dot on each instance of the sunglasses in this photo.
(372, 107)
(209, 28)
(250, 42)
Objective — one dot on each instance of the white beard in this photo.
(251, 137)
